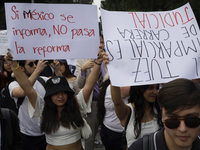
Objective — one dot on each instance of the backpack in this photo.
(149, 141)
(6, 114)
(8, 102)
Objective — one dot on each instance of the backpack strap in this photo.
(149, 141)
(6, 114)
(41, 81)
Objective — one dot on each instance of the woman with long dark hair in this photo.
(143, 108)
(61, 118)
(6, 74)
(142, 115)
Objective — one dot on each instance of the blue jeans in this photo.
(112, 140)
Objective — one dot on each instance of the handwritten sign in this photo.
(52, 31)
(3, 42)
(151, 47)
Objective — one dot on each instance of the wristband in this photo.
(16, 69)
(96, 62)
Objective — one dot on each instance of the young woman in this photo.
(111, 128)
(6, 74)
(143, 108)
(70, 77)
(60, 115)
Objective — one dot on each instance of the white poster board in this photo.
(3, 42)
(52, 31)
(151, 47)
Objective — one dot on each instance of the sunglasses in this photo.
(190, 122)
(31, 64)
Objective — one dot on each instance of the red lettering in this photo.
(69, 17)
(141, 22)
(168, 14)
(133, 19)
(156, 20)
(60, 29)
(187, 16)
(19, 49)
(16, 13)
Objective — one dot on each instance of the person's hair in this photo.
(100, 102)
(70, 115)
(5, 80)
(21, 62)
(179, 94)
(67, 72)
(137, 97)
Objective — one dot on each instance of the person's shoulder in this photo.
(196, 144)
(137, 145)
(44, 78)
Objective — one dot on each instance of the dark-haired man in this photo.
(180, 104)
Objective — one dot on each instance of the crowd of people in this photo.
(58, 111)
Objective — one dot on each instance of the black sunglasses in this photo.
(31, 64)
(190, 122)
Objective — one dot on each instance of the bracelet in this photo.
(16, 67)
(96, 62)
(82, 68)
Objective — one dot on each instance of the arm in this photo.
(83, 69)
(121, 109)
(22, 80)
(125, 91)
(91, 80)
(18, 91)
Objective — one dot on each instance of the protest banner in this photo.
(3, 42)
(151, 47)
(52, 31)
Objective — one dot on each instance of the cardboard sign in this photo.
(151, 47)
(3, 42)
(52, 31)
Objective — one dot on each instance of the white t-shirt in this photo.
(28, 126)
(146, 128)
(62, 136)
(111, 120)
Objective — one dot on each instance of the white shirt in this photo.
(111, 120)
(28, 126)
(146, 128)
(62, 136)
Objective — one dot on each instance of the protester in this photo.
(111, 129)
(83, 70)
(6, 74)
(70, 77)
(60, 116)
(180, 104)
(10, 131)
(142, 115)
